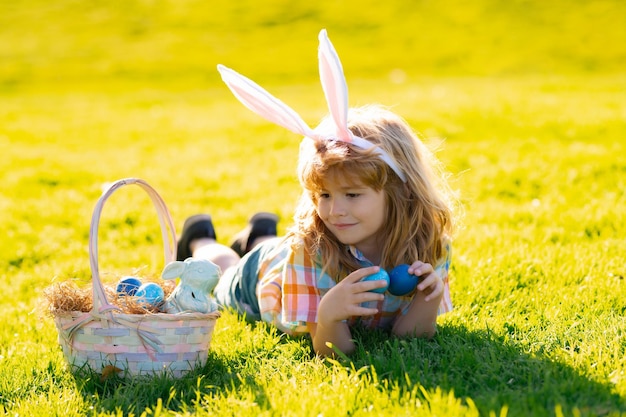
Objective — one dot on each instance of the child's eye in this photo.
(352, 195)
(324, 195)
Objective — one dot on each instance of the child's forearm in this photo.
(335, 333)
(421, 318)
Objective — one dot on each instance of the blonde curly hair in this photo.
(419, 212)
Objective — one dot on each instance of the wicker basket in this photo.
(105, 339)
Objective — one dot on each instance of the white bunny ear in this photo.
(173, 269)
(336, 92)
(334, 86)
(257, 99)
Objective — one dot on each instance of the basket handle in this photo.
(100, 302)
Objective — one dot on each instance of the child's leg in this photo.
(198, 239)
(208, 248)
(237, 286)
(260, 226)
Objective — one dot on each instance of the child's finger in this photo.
(367, 295)
(429, 281)
(419, 268)
(361, 273)
(436, 292)
(364, 311)
(365, 286)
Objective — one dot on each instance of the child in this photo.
(373, 197)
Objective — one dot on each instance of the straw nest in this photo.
(67, 296)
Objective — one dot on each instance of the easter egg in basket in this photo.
(128, 286)
(150, 293)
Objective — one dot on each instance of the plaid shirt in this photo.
(291, 286)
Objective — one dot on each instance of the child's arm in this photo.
(340, 303)
(421, 317)
(337, 332)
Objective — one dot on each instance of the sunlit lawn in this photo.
(538, 158)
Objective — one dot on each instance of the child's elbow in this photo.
(429, 334)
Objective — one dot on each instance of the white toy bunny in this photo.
(198, 277)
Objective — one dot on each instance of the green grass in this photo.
(526, 101)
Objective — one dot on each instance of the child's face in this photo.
(354, 213)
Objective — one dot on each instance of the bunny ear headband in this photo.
(335, 89)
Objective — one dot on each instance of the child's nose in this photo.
(337, 208)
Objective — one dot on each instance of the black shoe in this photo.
(195, 227)
(259, 225)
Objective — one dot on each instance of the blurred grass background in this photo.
(526, 98)
(158, 43)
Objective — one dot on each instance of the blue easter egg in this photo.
(128, 286)
(150, 293)
(380, 275)
(400, 281)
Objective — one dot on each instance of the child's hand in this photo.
(344, 299)
(430, 283)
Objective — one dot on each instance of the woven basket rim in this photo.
(147, 316)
